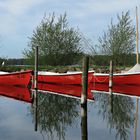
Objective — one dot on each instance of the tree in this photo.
(119, 40)
(58, 44)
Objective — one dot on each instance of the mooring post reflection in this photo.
(35, 106)
(111, 99)
(136, 119)
(84, 131)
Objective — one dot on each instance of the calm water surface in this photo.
(58, 118)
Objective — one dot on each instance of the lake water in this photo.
(110, 117)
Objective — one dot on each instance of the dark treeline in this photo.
(98, 60)
(104, 60)
(14, 61)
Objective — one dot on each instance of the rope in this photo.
(100, 81)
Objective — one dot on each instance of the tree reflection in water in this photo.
(55, 113)
(121, 118)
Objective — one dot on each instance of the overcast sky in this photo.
(18, 19)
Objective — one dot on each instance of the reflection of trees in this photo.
(55, 113)
(122, 116)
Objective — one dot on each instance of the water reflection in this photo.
(133, 90)
(55, 113)
(84, 126)
(18, 93)
(58, 117)
(136, 119)
(70, 90)
(35, 106)
(121, 118)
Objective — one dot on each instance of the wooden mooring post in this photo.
(137, 38)
(36, 68)
(84, 128)
(111, 85)
(137, 60)
(111, 76)
(36, 86)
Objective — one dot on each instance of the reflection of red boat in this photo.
(74, 78)
(122, 78)
(99, 87)
(71, 90)
(122, 89)
(18, 93)
(16, 78)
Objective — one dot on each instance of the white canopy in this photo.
(136, 68)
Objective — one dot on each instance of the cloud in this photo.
(95, 10)
(19, 18)
(18, 7)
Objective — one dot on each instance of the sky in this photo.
(18, 19)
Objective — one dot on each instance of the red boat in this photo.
(15, 78)
(70, 90)
(133, 90)
(131, 77)
(18, 93)
(74, 78)
(122, 78)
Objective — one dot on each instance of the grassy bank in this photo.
(62, 69)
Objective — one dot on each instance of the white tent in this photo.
(136, 68)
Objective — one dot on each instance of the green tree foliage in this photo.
(58, 44)
(104, 60)
(119, 40)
